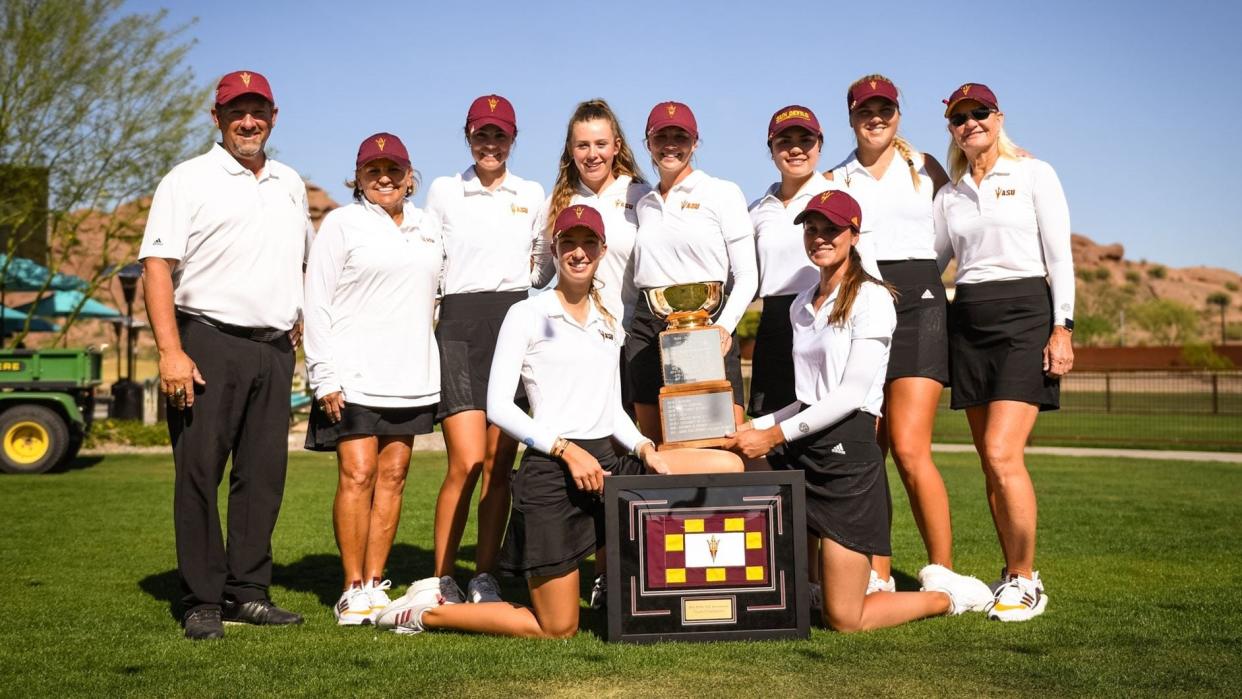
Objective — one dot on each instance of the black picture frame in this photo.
(662, 588)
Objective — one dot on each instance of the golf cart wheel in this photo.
(33, 439)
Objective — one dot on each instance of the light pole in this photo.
(126, 394)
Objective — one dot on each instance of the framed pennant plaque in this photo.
(706, 557)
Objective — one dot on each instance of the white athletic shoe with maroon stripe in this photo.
(966, 593)
(1019, 599)
(353, 608)
(877, 584)
(377, 596)
(404, 615)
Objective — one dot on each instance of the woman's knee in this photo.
(842, 623)
(358, 474)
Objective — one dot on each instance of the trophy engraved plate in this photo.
(708, 557)
(691, 356)
(696, 400)
(697, 417)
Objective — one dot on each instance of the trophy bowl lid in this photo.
(685, 298)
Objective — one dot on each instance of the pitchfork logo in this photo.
(491, 103)
(578, 211)
(380, 143)
(245, 78)
(825, 197)
(966, 89)
(672, 109)
(713, 547)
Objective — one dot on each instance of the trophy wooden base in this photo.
(696, 415)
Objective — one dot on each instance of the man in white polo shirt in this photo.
(222, 257)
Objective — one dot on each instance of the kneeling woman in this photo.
(842, 328)
(372, 359)
(563, 345)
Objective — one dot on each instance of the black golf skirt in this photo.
(642, 356)
(359, 420)
(772, 367)
(847, 497)
(921, 340)
(997, 335)
(552, 524)
(466, 338)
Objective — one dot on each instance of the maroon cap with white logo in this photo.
(382, 145)
(972, 91)
(867, 88)
(492, 110)
(793, 115)
(579, 216)
(243, 82)
(672, 114)
(837, 206)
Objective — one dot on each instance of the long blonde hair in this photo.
(904, 149)
(567, 176)
(959, 164)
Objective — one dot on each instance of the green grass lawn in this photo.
(1140, 559)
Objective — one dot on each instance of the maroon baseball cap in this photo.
(865, 89)
(837, 206)
(382, 145)
(494, 110)
(972, 91)
(793, 115)
(579, 216)
(243, 82)
(672, 114)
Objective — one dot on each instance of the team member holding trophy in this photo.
(562, 345)
(842, 329)
(1005, 218)
(894, 184)
(371, 286)
(487, 219)
(692, 229)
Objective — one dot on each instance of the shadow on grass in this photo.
(165, 587)
(78, 463)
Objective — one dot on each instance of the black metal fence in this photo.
(1142, 409)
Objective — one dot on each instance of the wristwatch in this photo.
(1069, 324)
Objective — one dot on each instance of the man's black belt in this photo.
(255, 334)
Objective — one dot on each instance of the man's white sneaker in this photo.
(449, 590)
(599, 592)
(353, 608)
(878, 584)
(966, 593)
(404, 615)
(816, 594)
(377, 596)
(483, 588)
(1019, 599)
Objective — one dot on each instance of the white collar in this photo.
(550, 303)
(816, 185)
(471, 185)
(621, 183)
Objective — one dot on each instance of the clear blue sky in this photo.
(1128, 100)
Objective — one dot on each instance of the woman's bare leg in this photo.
(465, 438)
(1000, 430)
(494, 498)
(394, 464)
(357, 461)
(554, 613)
(848, 607)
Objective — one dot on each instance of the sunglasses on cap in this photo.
(978, 114)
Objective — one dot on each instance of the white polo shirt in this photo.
(616, 205)
(240, 240)
(370, 299)
(700, 233)
(896, 217)
(1013, 225)
(784, 268)
(569, 370)
(489, 236)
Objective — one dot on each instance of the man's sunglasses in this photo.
(978, 114)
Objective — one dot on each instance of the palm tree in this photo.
(1222, 300)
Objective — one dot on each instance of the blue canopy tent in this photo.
(14, 320)
(63, 303)
(21, 274)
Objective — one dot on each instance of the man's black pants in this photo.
(242, 411)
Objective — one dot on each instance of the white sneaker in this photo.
(878, 584)
(599, 592)
(815, 593)
(449, 590)
(404, 615)
(1019, 599)
(353, 608)
(377, 596)
(966, 593)
(483, 588)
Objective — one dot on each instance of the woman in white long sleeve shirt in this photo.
(895, 183)
(692, 228)
(370, 297)
(487, 219)
(842, 329)
(1005, 219)
(562, 346)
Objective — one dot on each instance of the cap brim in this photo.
(584, 227)
(807, 212)
(953, 103)
(383, 156)
(792, 123)
(502, 124)
(665, 123)
(225, 99)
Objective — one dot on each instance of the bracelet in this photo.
(558, 447)
(638, 449)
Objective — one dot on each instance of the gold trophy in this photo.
(696, 401)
